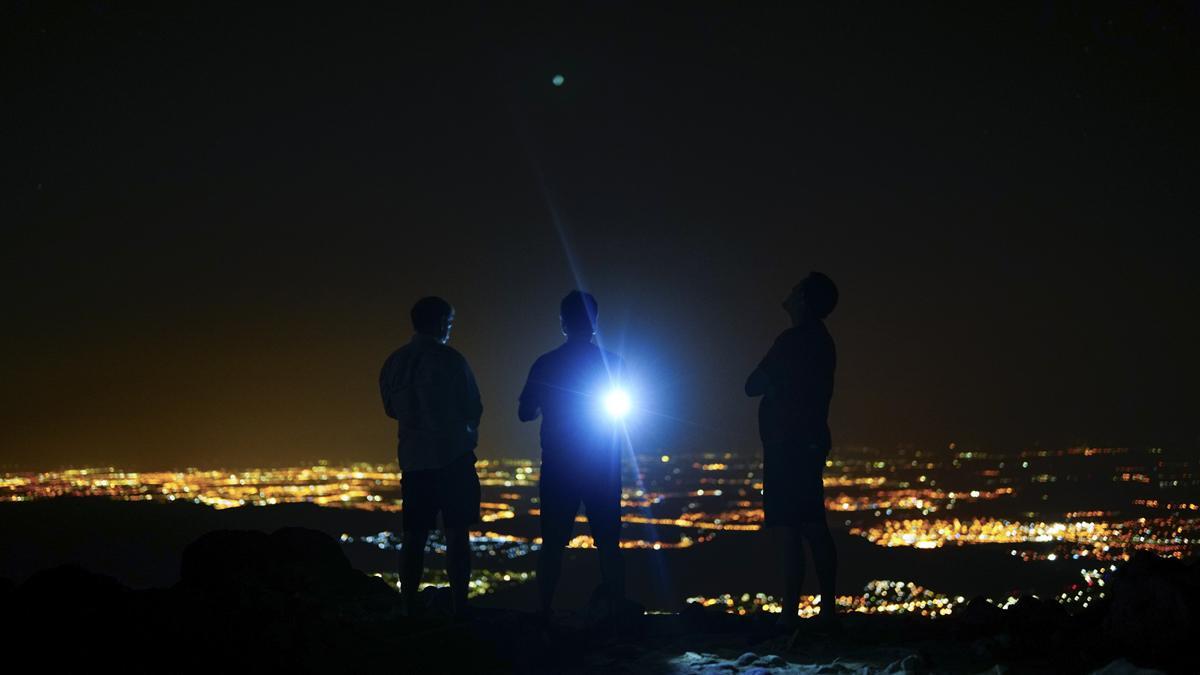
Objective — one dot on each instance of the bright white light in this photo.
(617, 403)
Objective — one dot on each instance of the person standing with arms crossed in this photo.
(429, 389)
(795, 380)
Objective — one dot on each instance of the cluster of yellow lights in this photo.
(356, 486)
(922, 533)
(878, 597)
(586, 541)
(1167, 536)
(377, 487)
(1169, 506)
(916, 499)
(853, 481)
(481, 582)
(493, 511)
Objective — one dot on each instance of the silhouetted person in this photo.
(581, 460)
(795, 379)
(430, 390)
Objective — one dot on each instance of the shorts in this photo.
(452, 489)
(793, 485)
(561, 491)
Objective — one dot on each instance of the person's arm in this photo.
(530, 402)
(387, 387)
(469, 400)
(758, 382)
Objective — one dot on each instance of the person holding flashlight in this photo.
(576, 391)
(795, 380)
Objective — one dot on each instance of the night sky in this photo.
(218, 216)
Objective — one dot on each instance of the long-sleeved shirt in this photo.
(429, 389)
(799, 374)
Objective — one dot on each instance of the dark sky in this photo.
(218, 215)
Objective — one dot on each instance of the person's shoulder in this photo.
(790, 336)
(548, 358)
(563, 353)
(445, 352)
(542, 363)
(396, 355)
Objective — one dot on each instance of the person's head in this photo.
(434, 317)
(578, 312)
(813, 298)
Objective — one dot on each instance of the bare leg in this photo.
(793, 574)
(412, 564)
(824, 554)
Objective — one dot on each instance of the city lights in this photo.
(674, 502)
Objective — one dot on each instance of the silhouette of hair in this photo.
(820, 294)
(428, 313)
(578, 312)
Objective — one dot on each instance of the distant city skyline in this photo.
(1059, 520)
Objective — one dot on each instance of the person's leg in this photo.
(793, 573)
(458, 565)
(784, 488)
(612, 573)
(824, 553)
(604, 519)
(549, 568)
(460, 494)
(558, 507)
(418, 490)
(412, 564)
(815, 528)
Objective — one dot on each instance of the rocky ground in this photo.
(291, 600)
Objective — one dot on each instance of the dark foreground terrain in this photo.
(291, 599)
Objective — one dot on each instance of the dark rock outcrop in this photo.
(70, 583)
(290, 562)
(1153, 610)
(979, 616)
(283, 601)
(290, 600)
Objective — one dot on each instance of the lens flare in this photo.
(617, 403)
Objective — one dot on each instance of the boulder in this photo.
(1123, 667)
(291, 562)
(70, 586)
(746, 659)
(1154, 609)
(1033, 613)
(979, 615)
(627, 617)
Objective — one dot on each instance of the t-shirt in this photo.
(568, 385)
(799, 367)
(429, 389)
